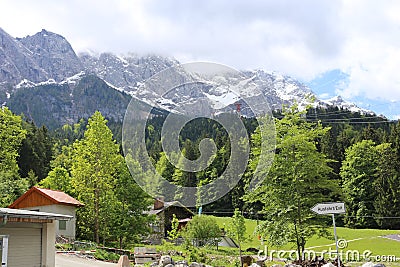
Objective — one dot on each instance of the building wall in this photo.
(70, 230)
(30, 244)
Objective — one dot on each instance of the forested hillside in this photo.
(355, 158)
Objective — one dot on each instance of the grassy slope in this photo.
(357, 239)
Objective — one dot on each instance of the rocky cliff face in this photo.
(53, 54)
(47, 60)
(16, 62)
(125, 72)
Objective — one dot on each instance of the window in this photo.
(62, 225)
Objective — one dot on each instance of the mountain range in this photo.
(42, 77)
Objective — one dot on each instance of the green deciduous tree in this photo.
(387, 184)
(371, 183)
(100, 179)
(130, 203)
(11, 137)
(58, 179)
(202, 230)
(358, 174)
(94, 169)
(297, 180)
(237, 230)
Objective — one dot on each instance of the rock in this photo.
(255, 265)
(328, 265)
(371, 264)
(247, 260)
(123, 261)
(165, 260)
(169, 265)
(292, 265)
(154, 264)
(260, 262)
(195, 264)
(181, 264)
(276, 265)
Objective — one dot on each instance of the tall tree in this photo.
(387, 183)
(35, 152)
(131, 202)
(11, 136)
(297, 180)
(358, 174)
(94, 167)
(186, 178)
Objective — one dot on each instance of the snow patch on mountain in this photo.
(338, 101)
(47, 58)
(74, 79)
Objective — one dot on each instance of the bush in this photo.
(103, 255)
(202, 230)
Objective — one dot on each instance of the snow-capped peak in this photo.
(338, 101)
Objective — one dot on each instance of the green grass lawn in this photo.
(356, 239)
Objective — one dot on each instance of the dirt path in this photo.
(70, 260)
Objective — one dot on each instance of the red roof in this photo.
(40, 197)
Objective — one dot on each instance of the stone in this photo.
(123, 261)
(328, 265)
(247, 260)
(165, 260)
(195, 264)
(371, 264)
(181, 264)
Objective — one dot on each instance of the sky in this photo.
(337, 47)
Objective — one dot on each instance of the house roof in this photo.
(29, 214)
(185, 220)
(41, 197)
(167, 204)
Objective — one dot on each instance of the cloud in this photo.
(298, 38)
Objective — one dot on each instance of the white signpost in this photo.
(331, 208)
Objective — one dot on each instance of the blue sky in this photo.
(341, 47)
(334, 82)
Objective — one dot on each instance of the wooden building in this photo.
(53, 201)
(165, 211)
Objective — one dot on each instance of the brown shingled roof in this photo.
(40, 197)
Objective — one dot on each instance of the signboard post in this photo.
(331, 208)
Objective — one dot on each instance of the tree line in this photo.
(321, 155)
